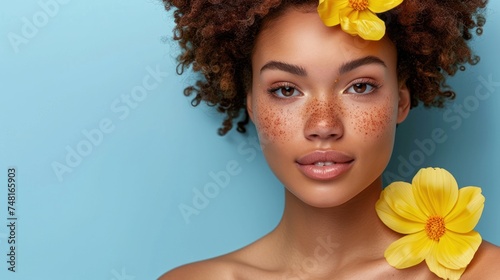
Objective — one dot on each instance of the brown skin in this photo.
(326, 112)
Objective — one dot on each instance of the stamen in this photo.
(435, 227)
(359, 5)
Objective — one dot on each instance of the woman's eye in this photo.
(285, 91)
(361, 88)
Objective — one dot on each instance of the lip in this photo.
(342, 163)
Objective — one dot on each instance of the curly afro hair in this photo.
(217, 38)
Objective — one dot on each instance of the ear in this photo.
(404, 102)
(249, 104)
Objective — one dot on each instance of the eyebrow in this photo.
(300, 71)
(290, 68)
(351, 65)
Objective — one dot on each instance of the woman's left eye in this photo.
(362, 88)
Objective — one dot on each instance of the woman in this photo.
(325, 99)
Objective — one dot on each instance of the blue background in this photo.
(113, 212)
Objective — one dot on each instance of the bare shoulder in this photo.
(486, 263)
(253, 261)
(233, 266)
(217, 269)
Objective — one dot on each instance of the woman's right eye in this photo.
(284, 91)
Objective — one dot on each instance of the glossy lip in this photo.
(342, 163)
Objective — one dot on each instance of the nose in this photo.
(324, 121)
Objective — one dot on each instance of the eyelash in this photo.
(289, 86)
(369, 82)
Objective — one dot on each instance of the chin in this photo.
(325, 196)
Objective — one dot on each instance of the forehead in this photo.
(299, 36)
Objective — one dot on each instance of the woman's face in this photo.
(325, 105)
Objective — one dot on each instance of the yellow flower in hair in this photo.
(357, 17)
(437, 219)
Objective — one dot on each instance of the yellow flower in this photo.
(438, 220)
(357, 17)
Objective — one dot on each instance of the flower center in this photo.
(435, 228)
(358, 5)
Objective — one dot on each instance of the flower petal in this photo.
(436, 191)
(363, 23)
(455, 251)
(409, 250)
(466, 213)
(441, 271)
(395, 222)
(380, 6)
(329, 11)
(398, 210)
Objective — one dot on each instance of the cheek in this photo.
(376, 122)
(273, 124)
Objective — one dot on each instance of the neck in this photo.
(342, 234)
